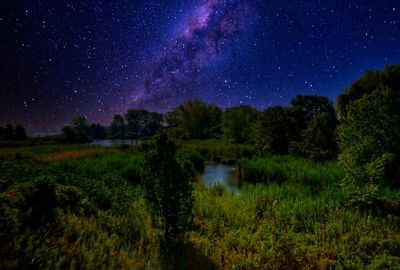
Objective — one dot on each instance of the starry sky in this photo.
(96, 58)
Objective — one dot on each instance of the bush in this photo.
(370, 129)
(69, 196)
(168, 192)
(195, 158)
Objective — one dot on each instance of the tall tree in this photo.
(276, 130)
(319, 138)
(134, 120)
(174, 118)
(369, 137)
(313, 105)
(118, 128)
(70, 135)
(200, 120)
(319, 127)
(2, 133)
(367, 84)
(237, 123)
(81, 125)
(142, 123)
(9, 132)
(152, 123)
(20, 133)
(79, 132)
(97, 131)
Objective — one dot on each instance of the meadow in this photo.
(82, 207)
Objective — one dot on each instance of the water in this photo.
(220, 174)
(114, 143)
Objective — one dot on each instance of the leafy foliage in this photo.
(142, 123)
(167, 190)
(367, 84)
(319, 138)
(276, 130)
(370, 138)
(237, 123)
(118, 128)
(9, 133)
(200, 120)
(93, 214)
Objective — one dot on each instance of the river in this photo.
(221, 174)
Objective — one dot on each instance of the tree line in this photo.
(364, 130)
(133, 125)
(307, 127)
(11, 133)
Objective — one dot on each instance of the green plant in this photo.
(168, 192)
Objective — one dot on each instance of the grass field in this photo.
(81, 207)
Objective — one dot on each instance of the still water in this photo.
(214, 174)
(115, 143)
(220, 174)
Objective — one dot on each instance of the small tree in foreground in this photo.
(168, 192)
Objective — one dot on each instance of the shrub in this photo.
(168, 192)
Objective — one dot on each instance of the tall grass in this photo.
(99, 164)
(284, 227)
(218, 150)
(55, 152)
(279, 169)
(293, 217)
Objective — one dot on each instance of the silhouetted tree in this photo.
(274, 131)
(20, 133)
(118, 129)
(134, 120)
(152, 123)
(313, 105)
(9, 132)
(70, 134)
(319, 138)
(319, 127)
(200, 120)
(174, 118)
(142, 123)
(97, 131)
(237, 123)
(81, 125)
(169, 193)
(79, 132)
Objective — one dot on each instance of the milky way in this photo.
(205, 35)
(96, 58)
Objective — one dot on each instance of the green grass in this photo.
(45, 149)
(291, 215)
(284, 227)
(218, 150)
(98, 165)
(279, 169)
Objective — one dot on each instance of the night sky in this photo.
(96, 58)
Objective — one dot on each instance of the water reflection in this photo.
(220, 174)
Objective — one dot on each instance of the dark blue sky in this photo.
(60, 59)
